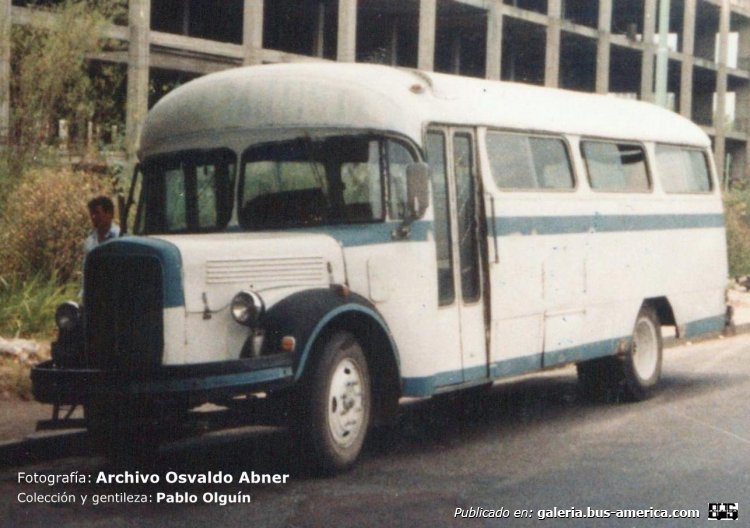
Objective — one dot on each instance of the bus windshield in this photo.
(285, 184)
(186, 192)
(305, 182)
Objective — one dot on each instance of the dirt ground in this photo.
(18, 417)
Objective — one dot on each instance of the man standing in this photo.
(101, 211)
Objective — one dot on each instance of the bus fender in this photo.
(307, 315)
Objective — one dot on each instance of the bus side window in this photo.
(466, 211)
(616, 166)
(682, 170)
(522, 162)
(441, 224)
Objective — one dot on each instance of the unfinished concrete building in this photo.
(691, 55)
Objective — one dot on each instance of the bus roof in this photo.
(373, 97)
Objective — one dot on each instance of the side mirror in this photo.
(417, 189)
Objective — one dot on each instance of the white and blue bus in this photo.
(334, 237)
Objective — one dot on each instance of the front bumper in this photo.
(192, 383)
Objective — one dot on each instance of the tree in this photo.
(50, 61)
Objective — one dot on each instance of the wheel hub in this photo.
(345, 412)
(645, 354)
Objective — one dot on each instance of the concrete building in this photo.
(692, 55)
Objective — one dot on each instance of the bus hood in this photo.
(217, 266)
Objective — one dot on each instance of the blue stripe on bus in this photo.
(382, 233)
(705, 326)
(583, 352)
(428, 385)
(558, 225)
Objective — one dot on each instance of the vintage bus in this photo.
(326, 239)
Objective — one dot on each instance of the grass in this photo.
(737, 206)
(27, 308)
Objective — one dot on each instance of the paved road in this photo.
(529, 445)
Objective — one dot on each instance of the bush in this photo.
(737, 204)
(45, 222)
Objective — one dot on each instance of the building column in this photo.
(649, 51)
(5, 25)
(139, 20)
(252, 31)
(552, 52)
(347, 32)
(742, 103)
(603, 46)
(688, 61)
(427, 25)
(494, 54)
(721, 90)
(319, 36)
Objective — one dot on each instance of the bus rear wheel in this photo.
(336, 414)
(642, 365)
(631, 376)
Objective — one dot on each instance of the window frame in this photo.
(444, 134)
(709, 169)
(616, 142)
(530, 134)
(384, 170)
(190, 183)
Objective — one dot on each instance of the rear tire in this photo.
(642, 366)
(335, 413)
(632, 376)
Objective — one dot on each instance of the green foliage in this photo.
(45, 221)
(737, 205)
(50, 78)
(27, 307)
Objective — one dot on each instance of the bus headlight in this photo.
(247, 307)
(67, 315)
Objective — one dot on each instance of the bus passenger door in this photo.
(460, 328)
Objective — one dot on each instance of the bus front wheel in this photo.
(336, 414)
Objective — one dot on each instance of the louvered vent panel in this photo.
(268, 272)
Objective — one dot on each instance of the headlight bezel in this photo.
(247, 307)
(68, 316)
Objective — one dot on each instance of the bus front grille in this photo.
(123, 306)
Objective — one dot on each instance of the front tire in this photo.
(337, 410)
